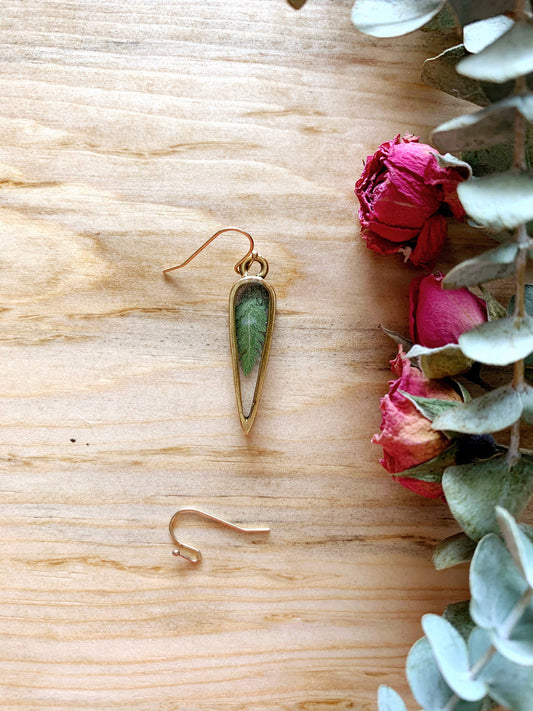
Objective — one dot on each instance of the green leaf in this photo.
(427, 683)
(440, 73)
(468, 11)
(497, 263)
(518, 544)
(478, 35)
(499, 342)
(458, 613)
(389, 700)
(440, 362)
(451, 655)
(492, 412)
(392, 18)
(474, 490)
(527, 404)
(498, 201)
(494, 308)
(433, 469)
(453, 550)
(430, 407)
(509, 57)
(251, 318)
(397, 337)
(487, 127)
(510, 685)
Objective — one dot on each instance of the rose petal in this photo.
(430, 242)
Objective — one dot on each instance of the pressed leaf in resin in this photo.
(251, 319)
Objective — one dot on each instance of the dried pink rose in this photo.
(438, 316)
(406, 435)
(404, 195)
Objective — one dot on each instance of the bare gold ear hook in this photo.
(195, 555)
(238, 266)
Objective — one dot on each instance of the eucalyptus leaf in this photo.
(499, 342)
(527, 404)
(430, 407)
(496, 584)
(433, 469)
(487, 127)
(518, 544)
(440, 73)
(451, 655)
(492, 412)
(497, 263)
(498, 201)
(478, 35)
(389, 700)
(453, 550)
(450, 161)
(458, 613)
(474, 490)
(296, 4)
(392, 18)
(440, 362)
(427, 683)
(509, 57)
(510, 685)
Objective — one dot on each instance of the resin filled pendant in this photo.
(252, 307)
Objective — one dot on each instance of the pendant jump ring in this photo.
(243, 267)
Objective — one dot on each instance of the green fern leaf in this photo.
(251, 318)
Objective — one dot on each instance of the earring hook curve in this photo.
(195, 554)
(239, 264)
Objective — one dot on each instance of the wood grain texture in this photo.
(131, 131)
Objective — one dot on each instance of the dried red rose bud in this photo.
(406, 435)
(404, 195)
(438, 316)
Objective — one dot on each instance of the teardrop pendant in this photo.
(252, 307)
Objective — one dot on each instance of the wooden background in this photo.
(130, 132)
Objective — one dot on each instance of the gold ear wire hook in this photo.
(196, 556)
(206, 244)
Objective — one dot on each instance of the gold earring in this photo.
(193, 555)
(252, 306)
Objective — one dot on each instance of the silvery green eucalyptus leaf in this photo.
(451, 655)
(440, 362)
(487, 127)
(527, 404)
(392, 18)
(492, 412)
(453, 550)
(509, 684)
(474, 490)
(478, 35)
(499, 342)
(458, 613)
(496, 584)
(389, 700)
(427, 683)
(518, 544)
(497, 263)
(509, 57)
(498, 201)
